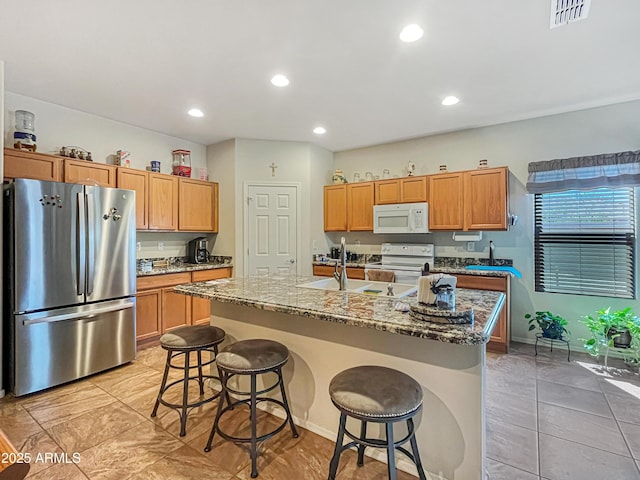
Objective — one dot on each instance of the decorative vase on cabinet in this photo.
(338, 177)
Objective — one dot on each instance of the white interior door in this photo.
(272, 229)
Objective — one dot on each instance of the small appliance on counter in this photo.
(197, 251)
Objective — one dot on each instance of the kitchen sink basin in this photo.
(364, 287)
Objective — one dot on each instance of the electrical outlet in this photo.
(139, 246)
(471, 246)
(160, 245)
(314, 245)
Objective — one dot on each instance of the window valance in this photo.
(585, 173)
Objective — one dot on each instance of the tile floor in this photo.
(556, 420)
(546, 419)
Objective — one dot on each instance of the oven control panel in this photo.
(405, 249)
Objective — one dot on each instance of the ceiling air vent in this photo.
(564, 12)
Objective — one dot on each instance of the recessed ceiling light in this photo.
(450, 100)
(280, 81)
(319, 130)
(196, 112)
(411, 33)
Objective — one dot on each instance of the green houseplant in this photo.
(618, 328)
(552, 326)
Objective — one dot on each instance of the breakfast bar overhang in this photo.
(330, 331)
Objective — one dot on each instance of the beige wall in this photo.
(221, 165)
(608, 129)
(56, 126)
(248, 161)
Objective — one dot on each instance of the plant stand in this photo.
(623, 350)
(540, 337)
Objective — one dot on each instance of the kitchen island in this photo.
(329, 331)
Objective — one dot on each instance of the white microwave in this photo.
(401, 218)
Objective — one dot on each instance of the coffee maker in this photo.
(197, 251)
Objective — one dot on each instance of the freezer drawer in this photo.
(54, 347)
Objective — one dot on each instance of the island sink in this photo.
(364, 287)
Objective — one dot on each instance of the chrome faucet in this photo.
(341, 276)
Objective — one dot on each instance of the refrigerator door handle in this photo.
(81, 244)
(91, 239)
(79, 315)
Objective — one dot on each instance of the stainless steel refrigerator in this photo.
(70, 282)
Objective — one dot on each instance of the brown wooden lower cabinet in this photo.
(176, 309)
(159, 309)
(148, 308)
(499, 342)
(357, 273)
(201, 307)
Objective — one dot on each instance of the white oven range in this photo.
(406, 260)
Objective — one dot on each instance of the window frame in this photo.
(583, 239)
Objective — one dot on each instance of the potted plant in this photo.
(552, 326)
(619, 329)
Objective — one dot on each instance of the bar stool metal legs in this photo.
(347, 391)
(256, 357)
(181, 342)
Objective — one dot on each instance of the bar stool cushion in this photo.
(255, 355)
(373, 391)
(192, 336)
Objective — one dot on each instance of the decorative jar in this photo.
(338, 177)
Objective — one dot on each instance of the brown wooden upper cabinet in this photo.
(401, 190)
(360, 206)
(89, 173)
(471, 200)
(486, 199)
(198, 205)
(446, 202)
(39, 166)
(335, 208)
(137, 180)
(348, 207)
(163, 202)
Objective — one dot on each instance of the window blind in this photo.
(585, 242)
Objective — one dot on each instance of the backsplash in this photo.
(146, 263)
(461, 262)
(351, 258)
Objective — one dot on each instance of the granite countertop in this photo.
(437, 269)
(464, 271)
(184, 267)
(332, 263)
(280, 294)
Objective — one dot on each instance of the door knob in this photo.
(292, 260)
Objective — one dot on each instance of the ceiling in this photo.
(146, 62)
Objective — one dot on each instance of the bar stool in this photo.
(183, 341)
(251, 357)
(379, 395)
